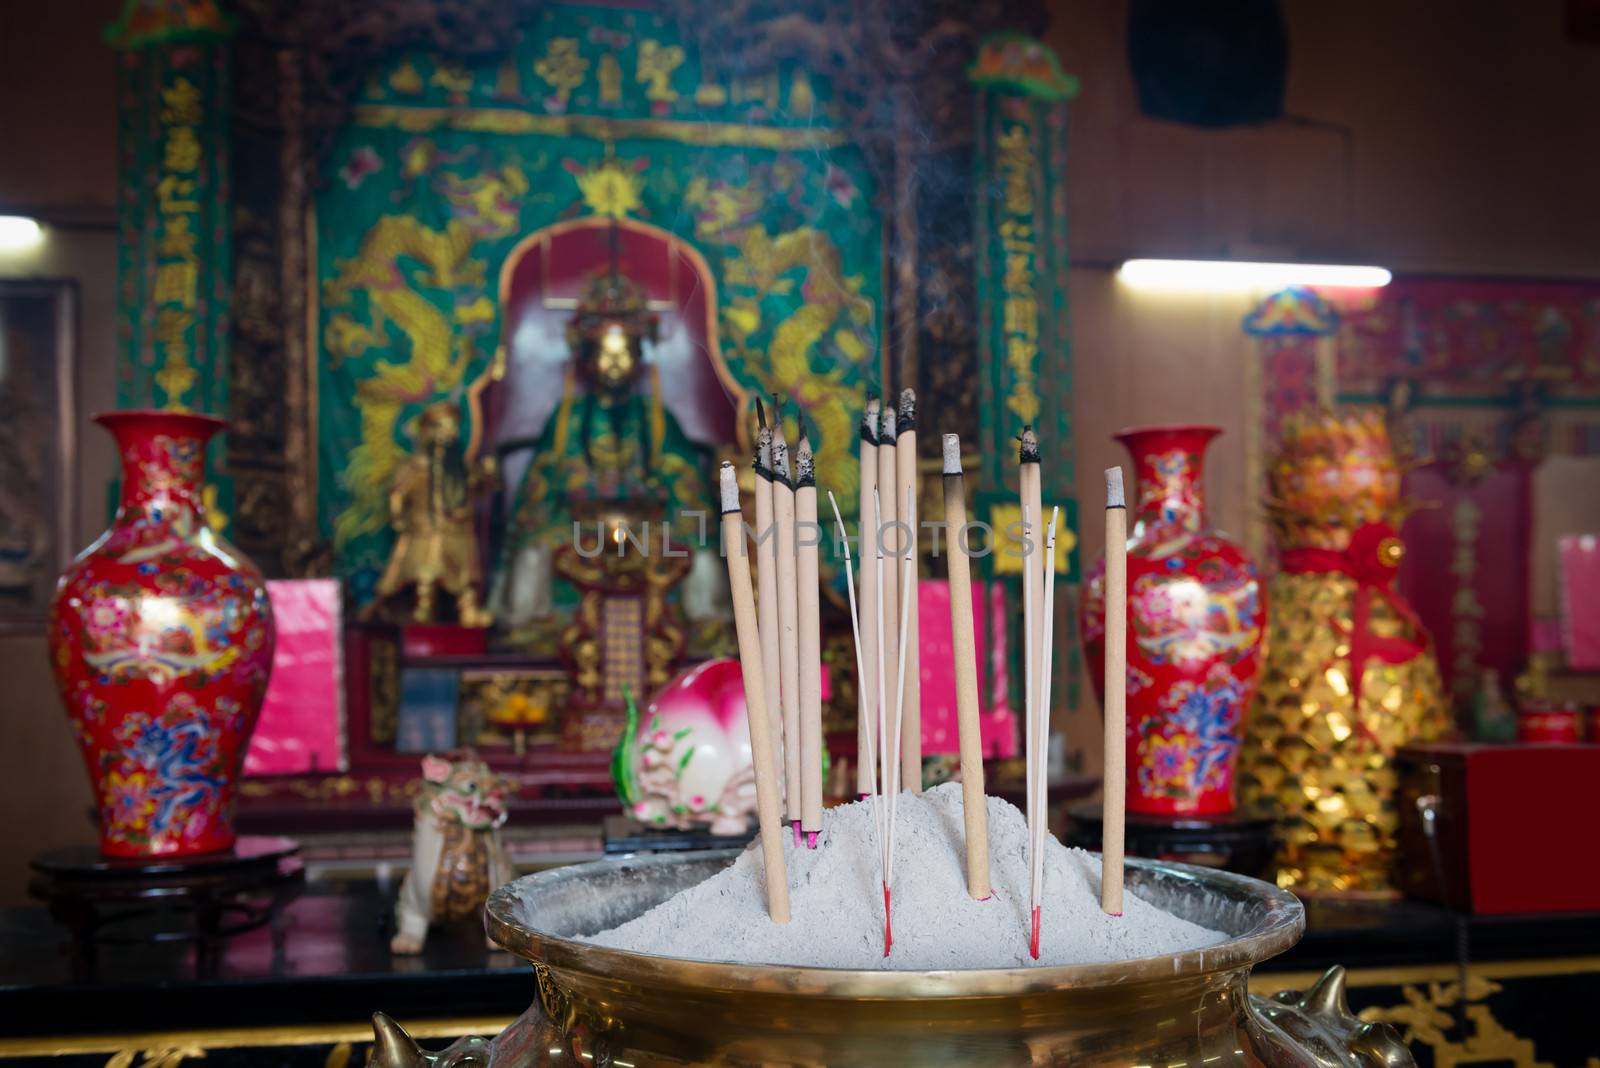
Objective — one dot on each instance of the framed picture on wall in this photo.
(38, 342)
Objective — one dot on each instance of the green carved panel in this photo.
(596, 112)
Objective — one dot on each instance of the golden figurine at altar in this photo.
(431, 510)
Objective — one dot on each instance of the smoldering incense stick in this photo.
(767, 580)
(788, 625)
(910, 698)
(1029, 491)
(766, 766)
(808, 534)
(1042, 732)
(888, 535)
(1029, 703)
(867, 705)
(1113, 827)
(965, 651)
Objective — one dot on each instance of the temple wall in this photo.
(1469, 150)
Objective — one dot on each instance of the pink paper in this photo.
(1579, 555)
(940, 728)
(301, 729)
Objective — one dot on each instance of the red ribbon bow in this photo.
(1372, 559)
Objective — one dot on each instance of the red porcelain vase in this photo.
(1195, 615)
(162, 640)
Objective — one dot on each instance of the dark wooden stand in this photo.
(1239, 841)
(141, 900)
(625, 835)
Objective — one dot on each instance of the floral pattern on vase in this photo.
(1195, 620)
(161, 635)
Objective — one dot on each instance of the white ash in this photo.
(836, 900)
(952, 454)
(1114, 494)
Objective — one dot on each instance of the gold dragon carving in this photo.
(399, 257)
(832, 310)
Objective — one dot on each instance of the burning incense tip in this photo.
(761, 414)
(1029, 452)
(811, 839)
(886, 430)
(908, 409)
(1114, 497)
(729, 481)
(1033, 938)
(952, 454)
(869, 422)
(780, 459)
(805, 473)
(764, 454)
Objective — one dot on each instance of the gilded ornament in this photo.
(562, 69)
(1350, 675)
(611, 189)
(656, 64)
(431, 510)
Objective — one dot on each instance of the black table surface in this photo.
(336, 966)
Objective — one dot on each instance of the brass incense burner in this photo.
(601, 1007)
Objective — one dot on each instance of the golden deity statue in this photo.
(611, 444)
(1350, 674)
(431, 509)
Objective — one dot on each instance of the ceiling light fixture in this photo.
(1238, 275)
(18, 233)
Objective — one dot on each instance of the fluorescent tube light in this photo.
(18, 232)
(1233, 274)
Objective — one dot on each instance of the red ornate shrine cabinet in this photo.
(374, 791)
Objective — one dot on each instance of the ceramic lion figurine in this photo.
(456, 854)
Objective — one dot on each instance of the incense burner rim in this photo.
(1276, 923)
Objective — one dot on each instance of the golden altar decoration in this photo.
(1350, 675)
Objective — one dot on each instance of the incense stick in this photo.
(1042, 734)
(767, 580)
(808, 534)
(1029, 702)
(888, 761)
(761, 751)
(866, 755)
(1113, 826)
(888, 534)
(965, 651)
(1028, 483)
(867, 703)
(911, 695)
(899, 723)
(788, 625)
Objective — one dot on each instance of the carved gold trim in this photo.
(511, 121)
(233, 1037)
(1269, 983)
(1255, 480)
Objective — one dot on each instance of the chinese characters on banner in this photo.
(1024, 355)
(174, 253)
(177, 279)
